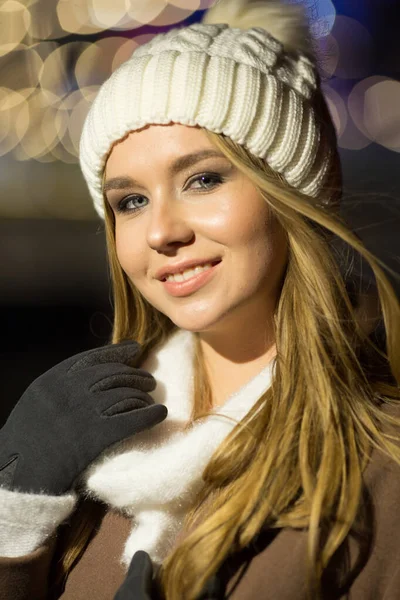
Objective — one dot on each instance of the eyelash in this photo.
(121, 206)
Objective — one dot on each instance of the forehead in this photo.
(156, 144)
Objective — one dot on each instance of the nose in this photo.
(168, 227)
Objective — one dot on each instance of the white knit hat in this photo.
(261, 92)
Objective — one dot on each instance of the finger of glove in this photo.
(134, 378)
(140, 573)
(125, 352)
(90, 376)
(122, 400)
(125, 425)
(7, 471)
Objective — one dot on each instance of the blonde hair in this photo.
(299, 464)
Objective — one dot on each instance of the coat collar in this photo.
(154, 477)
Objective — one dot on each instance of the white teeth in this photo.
(188, 274)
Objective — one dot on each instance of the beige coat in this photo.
(276, 573)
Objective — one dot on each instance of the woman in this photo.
(213, 160)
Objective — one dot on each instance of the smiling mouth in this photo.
(190, 272)
(188, 282)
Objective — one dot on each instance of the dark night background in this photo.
(54, 289)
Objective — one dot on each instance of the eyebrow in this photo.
(178, 165)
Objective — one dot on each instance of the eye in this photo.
(134, 203)
(215, 178)
(138, 203)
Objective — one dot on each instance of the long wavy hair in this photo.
(299, 463)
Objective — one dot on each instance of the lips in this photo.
(181, 289)
(163, 273)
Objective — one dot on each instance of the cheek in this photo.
(130, 252)
(232, 222)
(251, 227)
(261, 243)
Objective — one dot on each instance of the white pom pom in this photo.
(287, 23)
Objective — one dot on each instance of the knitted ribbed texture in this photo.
(241, 83)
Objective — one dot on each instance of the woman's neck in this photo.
(232, 361)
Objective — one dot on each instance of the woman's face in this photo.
(192, 233)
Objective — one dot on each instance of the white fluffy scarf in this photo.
(155, 476)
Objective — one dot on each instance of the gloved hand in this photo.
(73, 412)
(139, 583)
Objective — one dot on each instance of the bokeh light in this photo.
(191, 5)
(382, 113)
(121, 15)
(206, 4)
(356, 102)
(77, 116)
(44, 20)
(322, 16)
(5, 122)
(329, 53)
(125, 50)
(337, 109)
(106, 14)
(352, 138)
(75, 17)
(356, 48)
(171, 15)
(34, 142)
(49, 82)
(14, 118)
(92, 16)
(95, 62)
(15, 21)
(21, 68)
(374, 106)
(55, 75)
(68, 134)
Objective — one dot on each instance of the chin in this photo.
(190, 325)
(195, 323)
(200, 316)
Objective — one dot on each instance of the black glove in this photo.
(73, 412)
(139, 583)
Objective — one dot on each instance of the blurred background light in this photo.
(146, 12)
(351, 136)
(21, 68)
(55, 75)
(45, 24)
(172, 14)
(322, 14)
(96, 61)
(125, 50)
(15, 21)
(55, 54)
(75, 17)
(382, 113)
(356, 48)
(356, 102)
(205, 4)
(337, 109)
(78, 114)
(374, 106)
(41, 118)
(329, 53)
(4, 117)
(111, 15)
(15, 118)
(191, 5)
